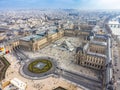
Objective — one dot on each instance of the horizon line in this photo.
(53, 9)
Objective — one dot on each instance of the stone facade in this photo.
(97, 49)
(34, 45)
(92, 54)
(91, 61)
(83, 35)
(11, 45)
(100, 39)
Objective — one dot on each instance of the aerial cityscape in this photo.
(59, 45)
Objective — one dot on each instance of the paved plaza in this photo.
(30, 75)
(42, 84)
(63, 59)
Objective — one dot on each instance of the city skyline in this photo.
(75, 4)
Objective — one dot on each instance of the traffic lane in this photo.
(81, 78)
(83, 82)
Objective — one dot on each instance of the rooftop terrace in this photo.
(37, 36)
(34, 37)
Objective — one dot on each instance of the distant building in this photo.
(114, 27)
(92, 22)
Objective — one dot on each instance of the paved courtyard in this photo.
(43, 84)
(64, 59)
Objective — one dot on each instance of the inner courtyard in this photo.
(64, 58)
(61, 56)
(55, 56)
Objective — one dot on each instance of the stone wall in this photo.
(98, 49)
(40, 43)
(90, 61)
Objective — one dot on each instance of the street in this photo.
(116, 64)
(80, 79)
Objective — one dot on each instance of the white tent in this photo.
(18, 83)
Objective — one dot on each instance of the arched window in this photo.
(95, 65)
(98, 66)
(87, 63)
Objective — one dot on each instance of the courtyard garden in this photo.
(40, 66)
(4, 64)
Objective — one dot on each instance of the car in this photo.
(119, 78)
(117, 69)
(115, 64)
(57, 67)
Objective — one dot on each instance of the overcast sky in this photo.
(81, 4)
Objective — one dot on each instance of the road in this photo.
(82, 80)
(19, 54)
(116, 64)
(87, 82)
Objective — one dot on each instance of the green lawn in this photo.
(6, 65)
(33, 69)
